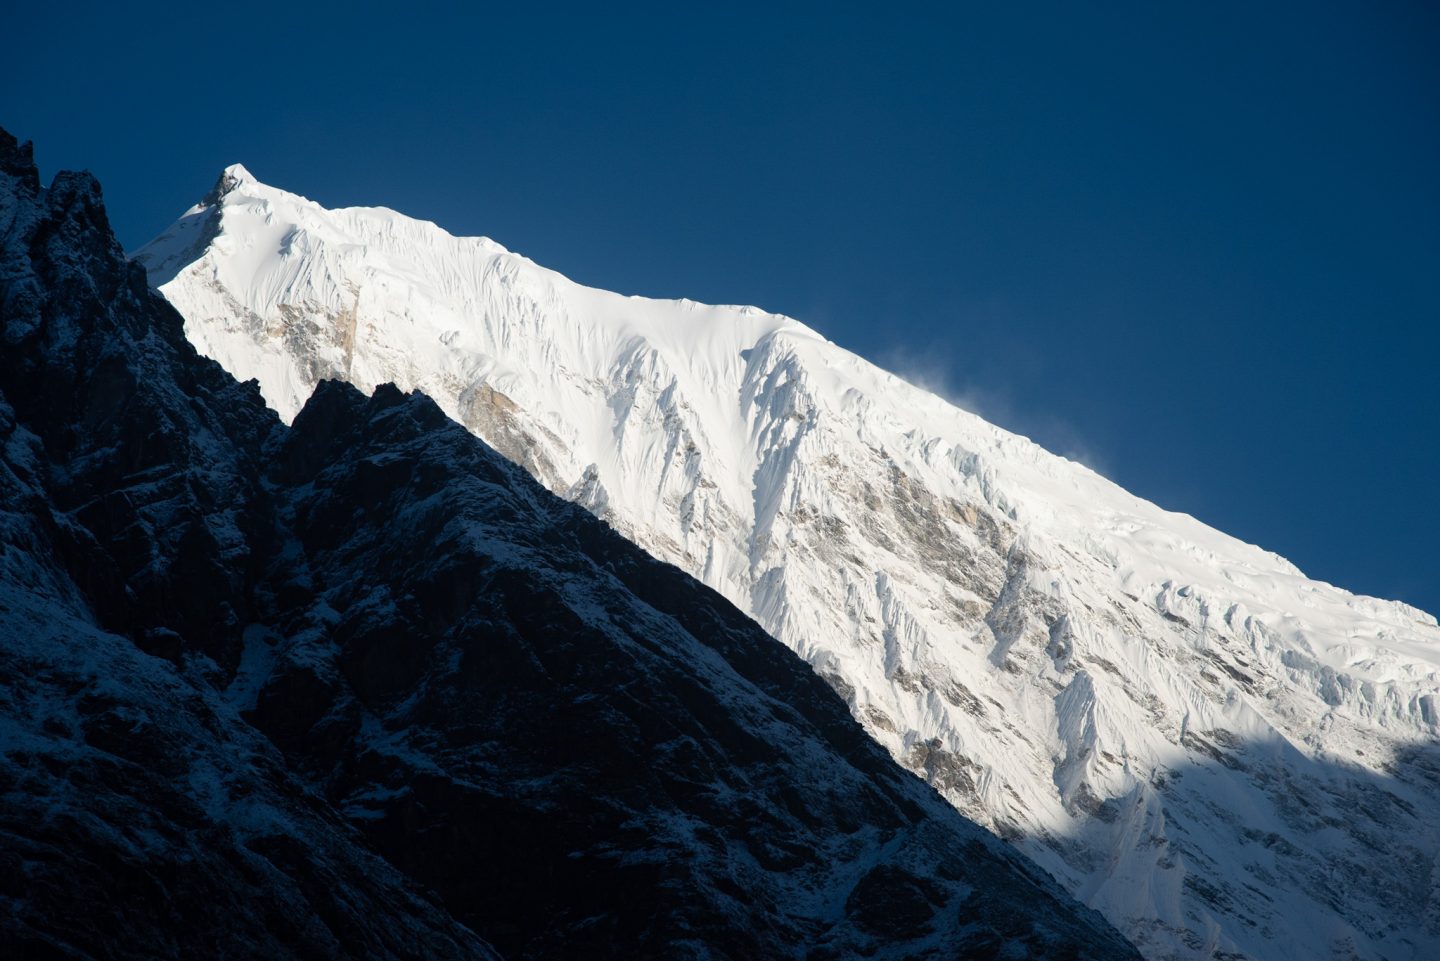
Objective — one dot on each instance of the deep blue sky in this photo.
(1197, 246)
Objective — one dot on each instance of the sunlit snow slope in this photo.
(1226, 758)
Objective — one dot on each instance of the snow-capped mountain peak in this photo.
(1217, 752)
(360, 688)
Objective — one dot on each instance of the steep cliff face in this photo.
(360, 688)
(1222, 755)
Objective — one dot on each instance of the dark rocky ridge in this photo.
(139, 815)
(483, 711)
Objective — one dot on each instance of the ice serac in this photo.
(360, 688)
(1227, 758)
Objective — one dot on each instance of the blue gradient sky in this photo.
(1197, 247)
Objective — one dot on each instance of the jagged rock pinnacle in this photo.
(231, 177)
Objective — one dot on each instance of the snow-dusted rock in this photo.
(1223, 756)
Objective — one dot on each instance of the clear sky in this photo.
(1196, 246)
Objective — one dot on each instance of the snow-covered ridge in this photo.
(1136, 699)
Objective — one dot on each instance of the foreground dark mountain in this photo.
(361, 688)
